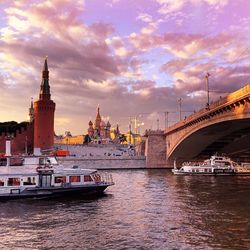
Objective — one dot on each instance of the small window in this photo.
(41, 161)
(14, 182)
(16, 161)
(29, 181)
(75, 178)
(1, 183)
(3, 161)
(87, 178)
(60, 179)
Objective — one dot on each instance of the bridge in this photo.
(223, 127)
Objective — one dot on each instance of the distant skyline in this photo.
(132, 57)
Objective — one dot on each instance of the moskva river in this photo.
(146, 209)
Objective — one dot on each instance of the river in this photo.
(145, 209)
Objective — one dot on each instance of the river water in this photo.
(146, 209)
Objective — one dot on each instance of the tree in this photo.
(87, 139)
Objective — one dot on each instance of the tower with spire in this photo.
(44, 109)
(31, 111)
(98, 120)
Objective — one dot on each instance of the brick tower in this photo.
(44, 109)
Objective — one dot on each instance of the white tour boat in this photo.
(42, 176)
(216, 165)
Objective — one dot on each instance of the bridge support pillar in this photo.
(155, 150)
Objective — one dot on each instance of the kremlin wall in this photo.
(21, 134)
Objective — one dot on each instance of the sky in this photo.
(133, 58)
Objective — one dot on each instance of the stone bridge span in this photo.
(223, 127)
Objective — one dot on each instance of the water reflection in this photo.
(144, 210)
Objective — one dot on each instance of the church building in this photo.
(99, 131)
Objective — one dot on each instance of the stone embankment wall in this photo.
(102, 162)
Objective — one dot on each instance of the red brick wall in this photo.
(19, 140)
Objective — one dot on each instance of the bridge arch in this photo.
(224, 127)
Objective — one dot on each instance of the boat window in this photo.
(87, 178)
(75, 178)
(3, 161)
(13, 181)
(223, 163)
(41, 161)
(60, 179)
(29, 181)
(1, 182)
(16, 161)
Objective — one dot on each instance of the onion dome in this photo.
(102, 124)
(108, 124)
(90, 123)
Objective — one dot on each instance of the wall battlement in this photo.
(21, 139)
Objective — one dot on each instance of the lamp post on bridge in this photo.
(166, 118)
(130, 131)
(180, 100)
(207, 85)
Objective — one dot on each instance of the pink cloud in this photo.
(101, 60)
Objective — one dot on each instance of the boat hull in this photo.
(210, 174)
(55, 192)
(218, 171)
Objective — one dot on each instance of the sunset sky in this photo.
(132, 57)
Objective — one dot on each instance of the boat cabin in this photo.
(42, 171)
